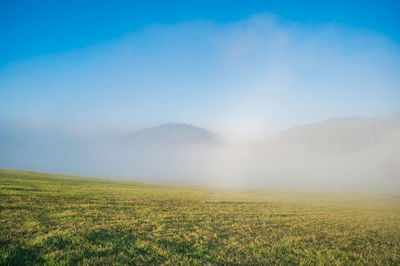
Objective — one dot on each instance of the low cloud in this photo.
(341, 154)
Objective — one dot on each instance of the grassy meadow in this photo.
(58, 219)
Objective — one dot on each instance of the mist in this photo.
(356, 153)
(258, 94)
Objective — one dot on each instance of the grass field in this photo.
(49, 219)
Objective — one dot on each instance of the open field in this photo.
(47, 218)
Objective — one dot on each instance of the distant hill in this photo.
(341, 135)
(172, 134)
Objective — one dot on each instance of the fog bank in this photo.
(339, 154)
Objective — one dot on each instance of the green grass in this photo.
(56, 219)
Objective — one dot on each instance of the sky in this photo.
(241, 68)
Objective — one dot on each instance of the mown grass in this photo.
(56, 219)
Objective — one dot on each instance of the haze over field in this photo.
(343, 153)
(255, 99)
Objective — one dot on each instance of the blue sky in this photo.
(56, 26)
(233, 66)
